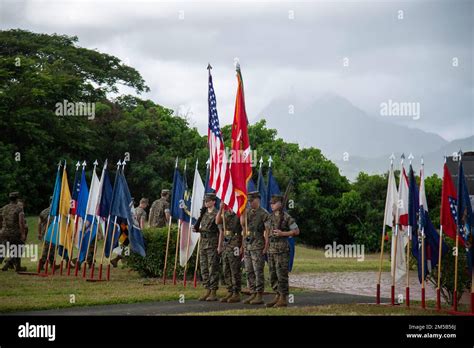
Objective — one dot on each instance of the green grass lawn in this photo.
(23, 292)
(309, 260)
(339, 309)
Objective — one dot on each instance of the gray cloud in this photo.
(389, 58)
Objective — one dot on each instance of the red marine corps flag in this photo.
(241, 165)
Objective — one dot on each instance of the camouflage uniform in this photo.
(257, 220)
(10, 216)
(231, 252)
(158, 211)
(208, 257)
(141, 214)
(43, 222)
(279, 251)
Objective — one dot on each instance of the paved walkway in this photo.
(313, 298)
(361, 283)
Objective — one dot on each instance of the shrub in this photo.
(151, 266)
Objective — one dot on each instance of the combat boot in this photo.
(115, 261)
(205, 296)
(250, 298)
(18, 267)
(7, 265)
(226, 297)
(212, 296)
(235, 298)
(273, 302)
(282, 302)
(258, 299)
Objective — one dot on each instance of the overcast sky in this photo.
(284, 48)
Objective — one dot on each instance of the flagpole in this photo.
(84, 221)
(438, 288)
(103, 248)
(111, 247)
(189, 230)
(58, 239)
(259, 173)
(47, 222)
(410, 231)
(115, 220)
(383, 238)
(76, 221)
(67, 228)
(423, 304)
(397, 220)
(49, 247)
(92, 226)
(458, 231)
(199, 241)
(107, 230)
(455, 299)
(178, 236)
(101, 186)
(169, 225)
(66, 242)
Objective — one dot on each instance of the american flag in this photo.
(219, 174)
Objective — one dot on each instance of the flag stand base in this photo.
(407, 295)
(438, 299)
(377, 297)
(472, 302)
(423, 303)
(393, 295)
(455, 301)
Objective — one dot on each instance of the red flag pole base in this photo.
(54, 268)
(84, 268)
(377, 297)
(61, 268)
(108, 272)
(92, 272)
(76, 271)
(69, 268)
(472, 302)
(407, 295)
(100, 272)
(195, 280)
(423, 303)
(455, 301)
(438, 299)
(46, 268)
(393, 295)
(174, 278)
(164, 277)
